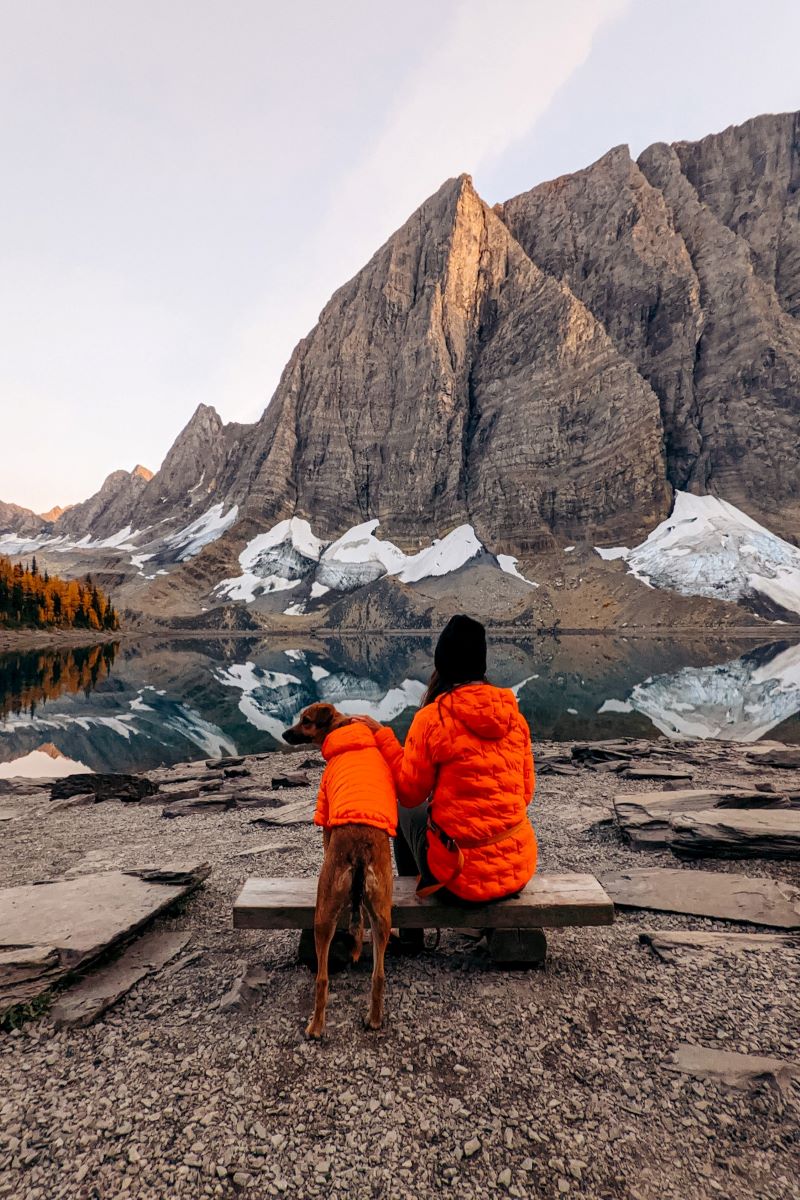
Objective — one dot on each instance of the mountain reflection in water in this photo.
(134, 706)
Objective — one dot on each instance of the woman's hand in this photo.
(370, 722)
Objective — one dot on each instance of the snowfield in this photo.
(201, 532)
(707, 547)
(289, 554)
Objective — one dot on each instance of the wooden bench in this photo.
(516, 924)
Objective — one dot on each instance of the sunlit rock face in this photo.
(549, 370)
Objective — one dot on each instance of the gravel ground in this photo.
(550, 1083)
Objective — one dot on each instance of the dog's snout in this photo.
(293, 736)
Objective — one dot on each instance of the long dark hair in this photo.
(439, 686)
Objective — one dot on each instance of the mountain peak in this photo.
(140, 472)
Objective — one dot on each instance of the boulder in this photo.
(786, 759)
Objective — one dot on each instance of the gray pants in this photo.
(411, 843)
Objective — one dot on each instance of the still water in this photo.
(134, 706)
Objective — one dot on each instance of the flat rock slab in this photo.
(288, 814)
(548, 900)
(706, 894)
(787, 759)
(83, 916)
(677, 946)
(96, 993)
(199, 806)
(77, 920)
(104, 787)
(735, 1070)
(25, 973)
(264, 848)
(291, 779)
(645, 818)
(638, 772)
(737, 833)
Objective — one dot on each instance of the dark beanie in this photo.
(460, 654)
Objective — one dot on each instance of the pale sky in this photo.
(185, 182)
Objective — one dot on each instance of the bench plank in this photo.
(551, 901)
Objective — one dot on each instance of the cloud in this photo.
(480, 89)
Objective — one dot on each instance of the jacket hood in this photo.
(487, 711)
(348, 737)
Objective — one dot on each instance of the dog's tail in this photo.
(356, 895)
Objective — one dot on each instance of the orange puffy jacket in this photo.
(470, 750)
(356, 786)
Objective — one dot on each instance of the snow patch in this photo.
(443, 557)
(708, 547)
(615, 706)
(274, 561)
(201, 532)
(508, 563)
(358, 558)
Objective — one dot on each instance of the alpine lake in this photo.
(132, 706)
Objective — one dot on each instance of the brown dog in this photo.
(357, 867)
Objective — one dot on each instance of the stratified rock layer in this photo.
(549, 369)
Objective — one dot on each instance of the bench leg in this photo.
(517, 947)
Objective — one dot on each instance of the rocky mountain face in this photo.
(690, 259)
(452, 380)
(545, 371)
(20, 520)
(109, 510)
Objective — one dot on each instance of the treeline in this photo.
(32, 678)
(30, 597)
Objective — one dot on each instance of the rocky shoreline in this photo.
(567, 1081)
(21, 640)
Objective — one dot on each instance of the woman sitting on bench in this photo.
(464, 778)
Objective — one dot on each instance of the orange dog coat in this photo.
(357, 786)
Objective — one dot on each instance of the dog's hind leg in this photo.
(378, 901)
(332, 893)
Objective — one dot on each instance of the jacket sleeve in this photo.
(321, 815)
(412, 768)
(529, 773)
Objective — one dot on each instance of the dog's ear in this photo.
(323, 716)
